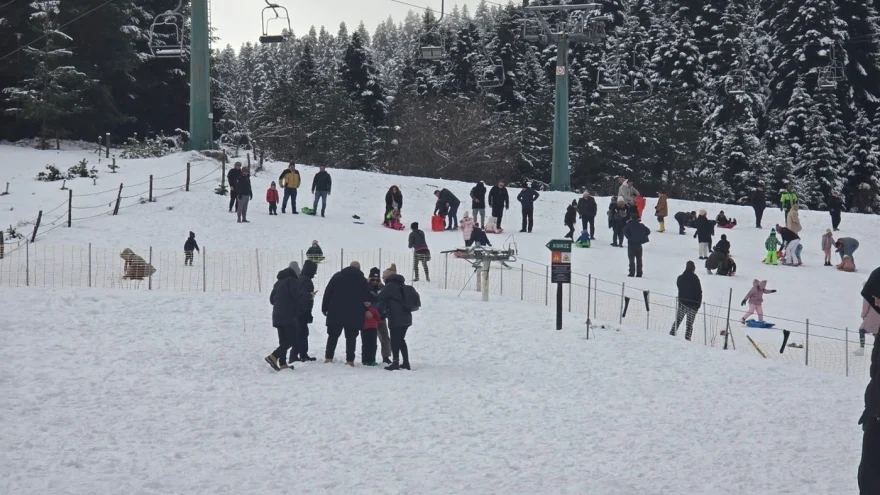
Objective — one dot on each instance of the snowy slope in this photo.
(154, 393)
(822, 294)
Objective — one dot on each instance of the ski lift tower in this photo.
(575, 27)
(200, 117)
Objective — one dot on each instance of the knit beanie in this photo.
(723, 237)
(702, 213)
(374, 273)
(414, 225)
(391, 270)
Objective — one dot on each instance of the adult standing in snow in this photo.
(421, 253)
(392, 307)
(835, 208)
(846, 246)
(307, 286)
(869, 468)
(627, 192)
(759, 204)
(478, 204)
(618, 214)
(587, 209)
(343, 305)
(232, 178)
(790, 242)
(527, 197)
(392, 197)
(445, 196)
(571, 218)
(499, 200)
(787, 199)
(705, 231)
(321, 185)
(290, 181)
(662, 211)
(636, 235)
(793, 220)
(288, 304)
(690, 298)
(245, 194)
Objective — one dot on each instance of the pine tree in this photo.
(863, 179)
(862, 54)
(358, 76)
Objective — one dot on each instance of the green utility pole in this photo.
(200, 128)
(560, 174)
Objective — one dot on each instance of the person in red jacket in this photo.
(272, 198)
(370, 334)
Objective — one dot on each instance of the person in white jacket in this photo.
(627, 192)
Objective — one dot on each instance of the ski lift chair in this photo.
(169, 24)
(282, 16)
(595, 31)
(431, 52)
(640, 90)
(827, 77)
(735, 84)
(533, 32)
(495, 77)
(609, 81)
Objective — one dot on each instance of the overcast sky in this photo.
(239, 21)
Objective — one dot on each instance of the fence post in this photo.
(595, 300)
(380, 261)
(187, 176)
(118, 199)
(90, 264)
(727, 328)
(501, 273)
(107, 144)
(705, 327)
(150, 276)
(589, 295)
(846, 350)
(546, 286)
(69, 207)
(522, 282)
(341, 258)
(223, 171)
(37, 226)
(259, 278)
(446, 271)
(249, 160)
(569, 296)
(204, 269)
(150, 198)
(807, 345)
(2, 246)
(27, 264)
(622, 297)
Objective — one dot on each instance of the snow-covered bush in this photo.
(51, 174)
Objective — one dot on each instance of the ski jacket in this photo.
(787, 199)
(772, 243)
(682, 217)
(690, 291)
(618, 215)
(466, 225)
(287, 299)
(722, 219)
(793, 220)
(870, 318)
(191, 244)
(755, 295)
(344, 299)
(135, 266)
(441, 208)
(527, 197)
(715, 259)
(662, 209)
(848, 246)
(570, 215)
(232, 177)
(322, 182)
(723, 246)
(289, 179)
(307, 286)
(787, 235)
(271, 195)
(627, 193)
(636, 233)
(447, 197)
(499, 198)
(480, 237)
(371, 318)
(392, 197)
(243, 186)
(872, 289)
(478, 197)
(315, 252)
(705, 229)
(827, 241)
(417, 241)
(391, 303)
(587, 207)
(759, 200)
(835, 205)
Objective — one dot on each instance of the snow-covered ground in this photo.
(153, 392)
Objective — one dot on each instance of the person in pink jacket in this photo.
(755, 298)
(467, 227)
(870, 324)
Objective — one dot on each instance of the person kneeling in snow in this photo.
(755, 298)
(393, 217)
(136, 268)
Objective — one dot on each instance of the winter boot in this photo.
(349, 363)
(662, 226)
(283, 366)
(860, 351)
(386, 360)
(393, 366)
(405, 366)
(305, 357)
(273, 362)
(371, 363)
(328, 360)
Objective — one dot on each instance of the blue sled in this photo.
(759, 324)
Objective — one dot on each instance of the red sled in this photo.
(640, 204)
(393, 226)
(438, 223)
(727, 226)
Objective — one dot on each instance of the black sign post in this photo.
(560, 271)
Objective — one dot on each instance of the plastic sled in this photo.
(640, 204)
(358, 222)
(315, 258)
(307, 210)
(438, 223)
(727, 226)
(759, 324)
(582, 244)
(393, 226)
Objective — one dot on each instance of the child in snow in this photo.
(570, 218)
(771, 245)
(272, 199)
(724, 222)
(315, 253)
(827, 244)
(755, 298)
(870, 324)
(847, 264)
(584, 240)
(467, 227)
(479, 238)
(188, 248)
(393, 217)
(370, 333)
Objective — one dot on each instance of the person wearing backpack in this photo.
(290, 180)
(397, 302)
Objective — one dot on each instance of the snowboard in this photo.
(307, 210)
(759, 324)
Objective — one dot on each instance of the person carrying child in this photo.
(755, 298)
(870, 324)
(827, 244)
(188, 248)
(315, 254)
(272, 199)
(772, 246)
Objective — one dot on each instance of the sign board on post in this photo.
(560, 271)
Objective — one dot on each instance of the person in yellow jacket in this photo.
(289, 180)
(787, 199)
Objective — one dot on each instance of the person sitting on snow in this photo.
(847, 264)
(727, 267)
(392, 219)
(723, 245)
(315, 254)
(724, 222)
(479, 238)
(584, 240)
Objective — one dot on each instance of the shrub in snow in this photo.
(82, 169)
(51, 174)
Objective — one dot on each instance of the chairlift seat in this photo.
(432, 52)
(608, 89)
(169, 24)
(270, 39)
(490, 83)
(169, 52)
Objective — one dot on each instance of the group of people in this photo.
(498, 200)
(241, 191)
(378, 310)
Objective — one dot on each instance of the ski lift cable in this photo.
(13, 52)
(7, 4)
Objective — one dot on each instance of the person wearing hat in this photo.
(288, 305)
(272, 199)
(869, 468)
(315, 253)
(835, 208)
(772, 247)
(827, 244)
(690, 298)
(392, 307)
(421, 253)
(188, 247)
(343, 305)
(376, 287)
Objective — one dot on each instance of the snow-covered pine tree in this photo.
(358, 76)
(863, 167)
(862, 54)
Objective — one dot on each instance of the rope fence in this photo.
(604, 302)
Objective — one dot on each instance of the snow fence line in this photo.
(828, 349)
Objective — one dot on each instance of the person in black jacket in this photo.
(288, 303)
(188, 247)
(723, 245)
(300, 351)
(703, 235)
(527, 198)
(587, 209)
(571, 218)
(636, 235)
(835, 208)
(343, 305)
(245, 194)
(682, 217)
(321, 185)
(499, 201)
(869, 467)
(421, 253)
(478, 204)
(392, 197)
(759, 203)
(232, 177)
(446, 197)
(618, 214)
(399, 318)
(690, 298)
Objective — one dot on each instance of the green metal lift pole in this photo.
(560, 178)
(200, 128)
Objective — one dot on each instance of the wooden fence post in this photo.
(2, 246)
(69, 207)
(187, 176)
(107, 144)
(37, 226)
(150, 198)
(118, 199)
